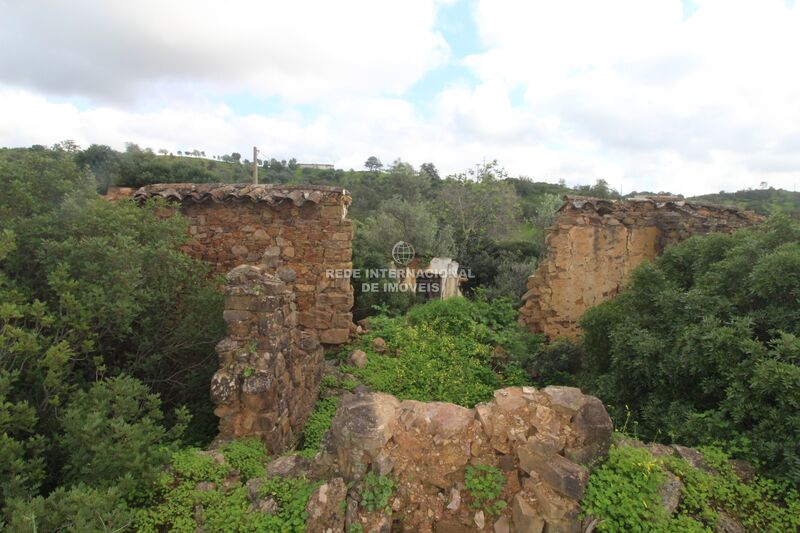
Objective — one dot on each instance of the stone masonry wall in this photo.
(269, 373)
(301, 228)
(541, 440)
(595, 244)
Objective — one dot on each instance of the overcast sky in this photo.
(680, 95)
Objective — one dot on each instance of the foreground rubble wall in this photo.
(594, 245)
(299, 228)
(269, 369)
(541, 441)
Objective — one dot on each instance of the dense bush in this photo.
(623, 495)
(454, 350)
(114, 437)
(91, 291)
(702, 346)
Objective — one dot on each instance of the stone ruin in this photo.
(269, 374)
(594, 245)
(541, 441)
(299, 229)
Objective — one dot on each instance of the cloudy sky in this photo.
(691, 96)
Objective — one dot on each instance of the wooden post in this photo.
(255, 165)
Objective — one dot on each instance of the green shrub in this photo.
(319, 422)
(189, 465)
(292, 497)
(76, 509)
(484, 484)
(623, 494)
(114, 437)
(703, 347)
(446, 350)
(248, 456)
(181, 504)
(376, 492)
(432, 366)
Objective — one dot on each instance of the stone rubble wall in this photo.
(299, 228)
(541, 441)
(594, 245)
(269, 369)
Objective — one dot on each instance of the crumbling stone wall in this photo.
(299, 228)
(540, 439)
(269, 373)
(595, 244)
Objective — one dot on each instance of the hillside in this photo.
(763, 201)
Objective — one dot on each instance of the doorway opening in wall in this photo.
(429, 286)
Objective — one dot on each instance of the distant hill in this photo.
(763, 201)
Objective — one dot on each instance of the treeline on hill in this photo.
(486, 220)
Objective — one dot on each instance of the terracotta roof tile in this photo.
(238, 192)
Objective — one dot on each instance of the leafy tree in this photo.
(103, 161)
(703, 345)
(478, 205)
(93, 289)
(429, 170)
(373, 163)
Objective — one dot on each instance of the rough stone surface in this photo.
(299, 233)
(326, 509)
(358, 358)
(522, 431)
(269, 370)
(594, 245)
(670, 492)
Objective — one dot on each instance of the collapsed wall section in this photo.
(540, 440)
(269, 373)
(595, 244)
(302, 229)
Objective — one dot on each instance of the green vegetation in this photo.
(484, 484)
(318, 424)
(446, 351)
(248, 456)
(763, 201)
(106, 344)
(195, 493)
(623, 494)
(703, 346)
(376, 492)
(107, 333)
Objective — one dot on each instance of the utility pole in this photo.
(255, 165)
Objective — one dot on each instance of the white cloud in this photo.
(299, 50)
(625, 90)
(644, 96)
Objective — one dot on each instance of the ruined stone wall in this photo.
(540, 440)
(269, 369)
(595, 244)
(302, 228)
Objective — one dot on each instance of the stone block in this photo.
(558, 472)
(525, 518)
